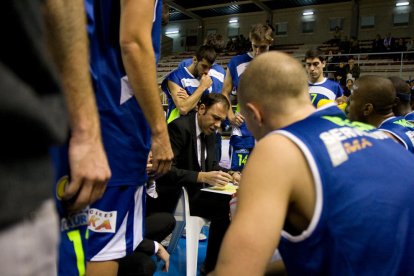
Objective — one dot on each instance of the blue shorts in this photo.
(115, 223)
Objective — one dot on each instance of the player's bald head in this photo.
(378, 91)
(271, 78)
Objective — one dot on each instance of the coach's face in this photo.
(209, 119)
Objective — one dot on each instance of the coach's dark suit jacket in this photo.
(184, 172)
(185, 166)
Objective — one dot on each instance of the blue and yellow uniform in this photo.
(183, 78)
(326, 89)
(364, 214)
(401, 129)
(115, 221)
(410, 116)
(241, 140)
(217, 74)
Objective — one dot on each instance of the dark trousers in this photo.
(157, 226)
(216, 208)
(212, 206)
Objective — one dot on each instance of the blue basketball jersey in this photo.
(183, 78)
(401, 129)
(410, 116)
(236, 67)
(125, 132)
(217, 74)
(326, 89)
(363, 222)
(73, 227)
(239, 154)
(240, 151)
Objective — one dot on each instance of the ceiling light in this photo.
(170, 32)
(400, 4)
(307, 13)
(233, 21)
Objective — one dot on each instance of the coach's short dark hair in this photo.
(213, 98)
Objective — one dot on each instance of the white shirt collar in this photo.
(198, 129)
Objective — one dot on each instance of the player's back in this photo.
(363, 223)
(401, 129)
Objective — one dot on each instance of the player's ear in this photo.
(255, 113)
(368, 109)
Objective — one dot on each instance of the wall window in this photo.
(308, 27)
(401, 19)
(231, 31)
(336, 22)
(367, 22)
(211, 31)
(281, 28)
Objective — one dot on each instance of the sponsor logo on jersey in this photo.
(74, 221)
(340, 142)
(102, 222)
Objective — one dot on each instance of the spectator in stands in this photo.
(372, 102)
(389, 43)
(341, 73)
(330, 65)
(230, 45)
(354, 49)
(193, 80)
(337, 35)
(349, 87)
(242, 141)
(345, 45)
(400, 46)
(336, 39)
(409, 46)
(243, 44)
(352, 68)
(320, 88)
(377, 44)
(403, 92)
